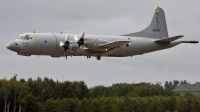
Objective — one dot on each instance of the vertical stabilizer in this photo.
(157, 28)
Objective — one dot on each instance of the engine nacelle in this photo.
(73, 47)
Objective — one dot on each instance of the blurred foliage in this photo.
(47, 95)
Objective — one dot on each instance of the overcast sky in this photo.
(113, 17)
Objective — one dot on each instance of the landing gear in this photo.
(98, 57)
(66, 57)
(88, 57)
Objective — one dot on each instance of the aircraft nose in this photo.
(12, 46)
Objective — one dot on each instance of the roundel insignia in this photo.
(158, 12)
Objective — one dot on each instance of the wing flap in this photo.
(110, 51)
(113, 44)
(169, 39)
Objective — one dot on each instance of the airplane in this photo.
(153, 38)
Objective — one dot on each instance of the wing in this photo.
(113, 44)
(107, 48)
(110, 51)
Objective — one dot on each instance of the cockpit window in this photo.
(21, 37)
(26, 37)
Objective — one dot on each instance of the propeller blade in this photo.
(83, 34)
(61, 43)
(67, 37)
(76, 38)
(65, 48)
(80, 40)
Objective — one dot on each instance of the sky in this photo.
(100, 17)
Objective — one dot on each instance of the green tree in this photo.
(5, 91)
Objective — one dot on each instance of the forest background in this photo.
(47, 95)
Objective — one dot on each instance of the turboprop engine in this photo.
(73, 46)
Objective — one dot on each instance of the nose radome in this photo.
(12, 46)
(8, 45)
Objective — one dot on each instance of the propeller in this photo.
(66, 44)
(73, 46)
(81, 40)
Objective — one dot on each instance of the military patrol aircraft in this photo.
(153, 38)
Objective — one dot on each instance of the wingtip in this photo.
(181, 35)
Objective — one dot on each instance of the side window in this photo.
(26, 37)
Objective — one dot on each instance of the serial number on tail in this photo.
(156, 30)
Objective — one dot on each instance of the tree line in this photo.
(47, 95)
(188, 103)
(170, 85)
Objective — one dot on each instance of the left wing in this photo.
(107, 48)
(113, 44)
(110, 51)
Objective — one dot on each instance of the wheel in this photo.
(98, 57)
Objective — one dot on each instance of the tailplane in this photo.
(157, 28)
(168, 40)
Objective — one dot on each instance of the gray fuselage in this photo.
(48, 44)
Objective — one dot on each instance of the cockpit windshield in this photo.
(24, 37)
(21, 37)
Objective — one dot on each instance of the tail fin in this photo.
(157, 28)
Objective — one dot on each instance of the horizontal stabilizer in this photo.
(169, 39)
(113, 44)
